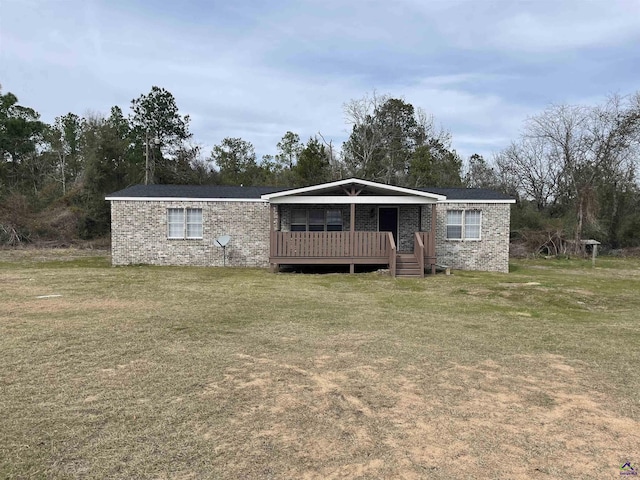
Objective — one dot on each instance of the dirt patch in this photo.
(486, 419)
(516, 285)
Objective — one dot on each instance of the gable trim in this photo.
(367, 183)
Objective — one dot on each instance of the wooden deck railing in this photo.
(429, 242)
(343, 247)
(347, 248)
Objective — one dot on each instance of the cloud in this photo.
(528, 26)
(255, 70)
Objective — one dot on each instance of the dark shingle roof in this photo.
(224, 191)
(195, 191)
(467, 193)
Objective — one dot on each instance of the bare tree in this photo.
(336, 166)
(365, 140)
(568, 151)
(535, 171)
(427, 129)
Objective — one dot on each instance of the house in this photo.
(350, 222)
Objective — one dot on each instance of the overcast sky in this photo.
(255, 69)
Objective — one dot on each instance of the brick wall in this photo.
(139, 234)
(491, 253)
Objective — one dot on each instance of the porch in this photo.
(353, 248)
(354, 222)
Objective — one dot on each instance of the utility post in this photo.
(146, 157)
(149, 162)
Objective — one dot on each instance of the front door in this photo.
(388, 221)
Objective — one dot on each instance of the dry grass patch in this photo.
(146, 372)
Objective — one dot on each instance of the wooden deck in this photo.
(351, 248)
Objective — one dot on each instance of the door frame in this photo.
(397, 209)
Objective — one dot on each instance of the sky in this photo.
(256, 69)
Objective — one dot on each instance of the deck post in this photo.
(432, 248)
(352, 227)
(272, 238)
(271, 220)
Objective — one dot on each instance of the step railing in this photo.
(429, 242)
(392, 254)
(418, 251)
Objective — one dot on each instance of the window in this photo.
(194, 223)
(299, 221)
(184, 223)
(463, 224)
(175, 221)
(316, 220)
(334, 220)
(472, 224)
(454, 224)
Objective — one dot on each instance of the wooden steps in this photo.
(407, 266)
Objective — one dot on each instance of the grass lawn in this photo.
(150, 372)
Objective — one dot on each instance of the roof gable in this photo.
(353, 187)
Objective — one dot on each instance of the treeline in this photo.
(573, 171)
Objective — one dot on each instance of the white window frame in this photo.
(479, 225)
(170, 213)
(185, 221)
(463, 232)
(190, 223)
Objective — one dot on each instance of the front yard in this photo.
(149, 372)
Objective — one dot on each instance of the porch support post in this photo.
(352, 227)
(433, 219)
(433, 237)
(272, 237)
(271, 219)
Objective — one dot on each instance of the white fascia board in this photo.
(366, 183)
(478, 201)
(312, 188)
(346, 200)
(183, 199)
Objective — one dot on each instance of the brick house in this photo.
(351, 221)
